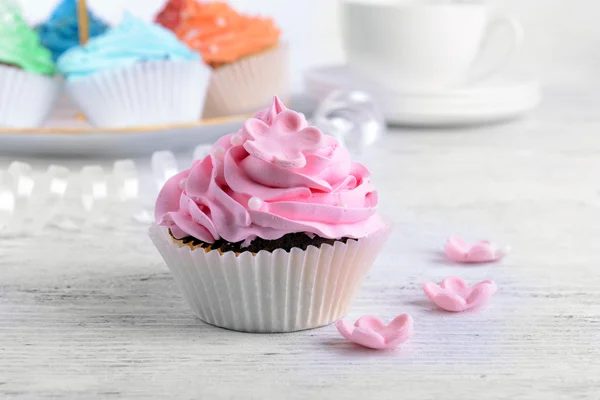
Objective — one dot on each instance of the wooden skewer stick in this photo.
(82, 21)
(84, 32)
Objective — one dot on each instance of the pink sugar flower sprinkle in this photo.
(370, 331)
(455, 295)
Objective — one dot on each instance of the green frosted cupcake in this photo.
(27, 72)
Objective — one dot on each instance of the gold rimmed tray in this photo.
(68, 134)
(86, 130)
(73, 137)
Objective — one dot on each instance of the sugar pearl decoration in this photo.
(255, 203)
(237, 140)
(218, 152)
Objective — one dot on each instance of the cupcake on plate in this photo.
(250, 64)
(274, 231)
(27, 71)
(135, 74)
(61, 31)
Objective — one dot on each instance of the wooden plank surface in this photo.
(97, 314)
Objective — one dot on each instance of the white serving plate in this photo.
(113, 142)
(68, 134)
(505, 97)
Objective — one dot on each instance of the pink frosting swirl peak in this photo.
(277, 175)
(285, 142)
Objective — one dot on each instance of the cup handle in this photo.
(498, 23)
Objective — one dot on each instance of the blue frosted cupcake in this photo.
(136, 73)
(60, 32)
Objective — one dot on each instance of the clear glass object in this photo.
(125, 183)
(352, 117)
(48, 194)
(7, 199)
(94, 193)
(23, 184)
(164, 166)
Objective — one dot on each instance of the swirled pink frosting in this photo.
(277, 175)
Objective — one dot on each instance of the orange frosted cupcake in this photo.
(250, 64)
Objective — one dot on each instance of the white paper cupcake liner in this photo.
(249, 84)
(26, 99)
(270, 292)
(146, 93)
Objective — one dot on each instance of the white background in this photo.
(562, 37)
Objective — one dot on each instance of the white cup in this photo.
(424, 45)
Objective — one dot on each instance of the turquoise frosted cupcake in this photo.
(136, 73)
(60, 32)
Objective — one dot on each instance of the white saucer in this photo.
(502, 98)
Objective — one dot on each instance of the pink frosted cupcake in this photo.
(273, 231)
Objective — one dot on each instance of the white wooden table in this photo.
(97, 315)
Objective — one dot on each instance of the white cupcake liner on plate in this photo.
(270, 291)
(146, 93)
(26, 99)
(249, 84)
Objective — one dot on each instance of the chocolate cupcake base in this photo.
(287, 242)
